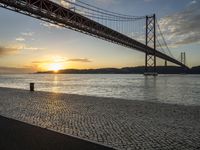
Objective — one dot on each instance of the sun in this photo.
(52, 64)
(55, 67)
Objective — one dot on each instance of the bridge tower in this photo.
(183, 58)
(150, 59)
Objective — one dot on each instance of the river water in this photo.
(176, 89)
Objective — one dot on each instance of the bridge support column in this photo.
(150, 58)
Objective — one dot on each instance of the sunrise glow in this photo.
(55, 67)
(51, 63)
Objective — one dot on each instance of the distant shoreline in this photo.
(128, 70)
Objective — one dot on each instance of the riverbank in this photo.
(121, 124)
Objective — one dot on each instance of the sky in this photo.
(29, 45)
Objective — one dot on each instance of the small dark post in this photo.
(165, 63)
(146, 54)
(154, 37)
(31, 87)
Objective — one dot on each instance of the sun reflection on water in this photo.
(55, 87)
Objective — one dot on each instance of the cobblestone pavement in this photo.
(121, 124)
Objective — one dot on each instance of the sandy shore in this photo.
(121, 124)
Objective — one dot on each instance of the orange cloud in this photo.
(9, 50)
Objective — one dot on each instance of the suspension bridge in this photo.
(141, 33)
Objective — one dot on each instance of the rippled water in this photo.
(180, 89)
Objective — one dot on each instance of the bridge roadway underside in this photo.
(51, 12)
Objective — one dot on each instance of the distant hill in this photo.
(195, 70)
(129, 70)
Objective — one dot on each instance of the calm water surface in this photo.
(179, 89)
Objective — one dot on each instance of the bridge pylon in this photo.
(150, 59)
(183, 58)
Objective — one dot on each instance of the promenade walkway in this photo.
(118, 123)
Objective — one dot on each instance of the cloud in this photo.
(20, 39)
(27, 33)
(54, 59)
(67, 4)
(32, 48)
(193, 2)
(80, 60)
(6, 70)
(42, 62)
(50, 25)
(182, 27)
(138, 36)
(61, 60)
(23, 36)
(9, 50)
